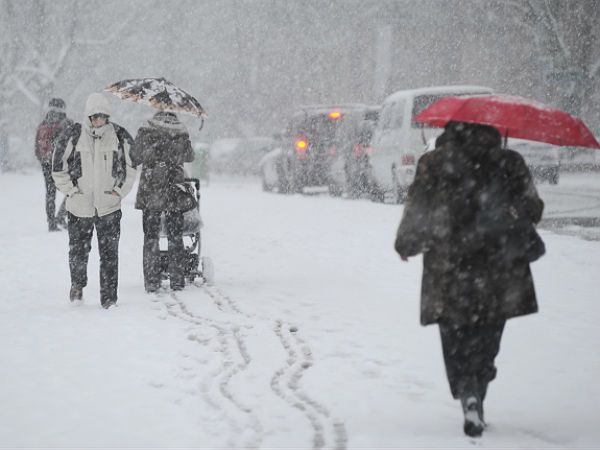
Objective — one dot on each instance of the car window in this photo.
(318, 129)
(349, 131)
(421, 102)
(398, 114)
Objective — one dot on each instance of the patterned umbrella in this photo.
(157, 93)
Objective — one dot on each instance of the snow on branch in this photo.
(22, 87)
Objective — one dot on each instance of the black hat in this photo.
(57, 104)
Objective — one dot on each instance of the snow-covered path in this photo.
(309, 338)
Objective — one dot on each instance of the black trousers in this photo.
(108, 231)
(469, 353)
(152, 261)
(51, 196)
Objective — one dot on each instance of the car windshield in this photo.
(319, 129)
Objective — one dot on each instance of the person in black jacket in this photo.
(162, 148)
(470, 211)
(54, 124)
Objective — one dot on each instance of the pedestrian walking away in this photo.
(163, 148)
(93, 168)
(48, 132)
(471, 211)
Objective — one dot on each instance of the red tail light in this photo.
(333, 151)
(408, 159)
(361, 149)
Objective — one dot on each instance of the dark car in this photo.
(308, 148)
(350, 170)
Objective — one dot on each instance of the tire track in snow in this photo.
(285, 382)
(328, 432)
(235, 359)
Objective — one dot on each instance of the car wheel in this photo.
(335, 190)
(295, 186)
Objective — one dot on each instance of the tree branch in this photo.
(557, 33)
(28, 94)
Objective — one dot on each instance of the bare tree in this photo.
(38, 43)
(565, 37)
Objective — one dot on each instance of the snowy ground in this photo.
(309, 338)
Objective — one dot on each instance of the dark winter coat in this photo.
(58, 122)
(161, 148)
(467, 278)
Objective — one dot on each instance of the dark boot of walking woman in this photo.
(472, 409)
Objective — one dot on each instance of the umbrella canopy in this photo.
(157, 93)
(516, 117)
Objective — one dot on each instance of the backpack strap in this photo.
(60, 146)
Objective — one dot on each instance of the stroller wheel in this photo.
(208, 270)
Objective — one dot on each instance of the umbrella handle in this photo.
(201, 123)
(506, 139)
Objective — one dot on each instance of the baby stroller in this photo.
(195, 265)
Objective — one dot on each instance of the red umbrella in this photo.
(514, 116)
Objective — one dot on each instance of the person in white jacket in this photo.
(91, 165)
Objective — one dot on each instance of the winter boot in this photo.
(474, 424)
(152, 288)
(109, 303)
(52, 226)
(76, 294)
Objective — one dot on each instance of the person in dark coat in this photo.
(162, 148)
(475, 268)
(54, 124)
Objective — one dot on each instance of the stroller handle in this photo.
(196, 182)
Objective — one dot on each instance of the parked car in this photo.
(399, 141)
(542, 159)
(271, 167)
(307, 148)
(239, 156)
(351, 167)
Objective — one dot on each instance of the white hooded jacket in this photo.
(89, 173)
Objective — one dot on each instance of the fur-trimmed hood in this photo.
(168, 121)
